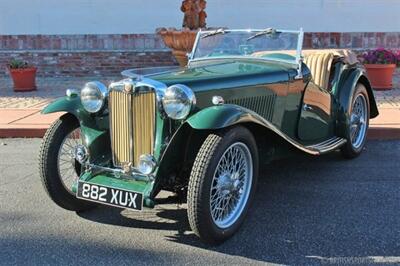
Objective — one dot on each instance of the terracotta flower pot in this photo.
(181, 43)
(24, 78)
(380, 75)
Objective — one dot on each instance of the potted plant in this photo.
(181, 41)
(23, 75)
(380, 64)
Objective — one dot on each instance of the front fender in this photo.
(67, 104)
(94, 128)
(221, 116)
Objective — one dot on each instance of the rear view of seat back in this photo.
(320, 65)
(318, 61)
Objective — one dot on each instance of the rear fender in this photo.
(346, 88)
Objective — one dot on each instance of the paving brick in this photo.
(38, 119)
(10, 115)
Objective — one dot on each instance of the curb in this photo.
(22, 132)
(383, 133)
(374, 133)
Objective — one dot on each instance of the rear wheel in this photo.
(359, 122)
(222, 184)
(58, 168)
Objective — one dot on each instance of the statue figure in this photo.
(202, 14)
(195, 16)
(181, 41)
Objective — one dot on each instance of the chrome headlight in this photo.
(93, 96)
(178, 101)
(147, 163)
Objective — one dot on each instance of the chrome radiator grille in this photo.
(132, 125)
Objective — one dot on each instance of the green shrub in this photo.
(16, 64)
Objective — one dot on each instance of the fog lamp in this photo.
(147, 163)
(81, 154)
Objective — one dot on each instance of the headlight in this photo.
(93, 96)
(178, 101)
(147, 163)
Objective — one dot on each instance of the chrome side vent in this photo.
(262, 105)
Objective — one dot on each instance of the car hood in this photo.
(229, 73)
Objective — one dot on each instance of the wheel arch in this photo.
(346, 90)
(94, 128)
(186, 141)
(372, 102)
(223, 116)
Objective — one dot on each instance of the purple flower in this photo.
(381, 56)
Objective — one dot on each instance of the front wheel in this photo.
(222, 184)
(358, 124)
(57, 166)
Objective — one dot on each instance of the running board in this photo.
(327, 145)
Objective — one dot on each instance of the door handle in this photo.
(307, 107)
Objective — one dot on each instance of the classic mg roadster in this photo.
(244, 98)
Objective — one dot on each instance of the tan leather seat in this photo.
(320, 67)
(319, 62)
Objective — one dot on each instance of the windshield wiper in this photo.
(268, 31)
(215, 32)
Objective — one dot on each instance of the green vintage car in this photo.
(245, 98)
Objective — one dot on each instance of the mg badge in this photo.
(128, 88)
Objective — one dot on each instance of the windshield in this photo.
(269, 44)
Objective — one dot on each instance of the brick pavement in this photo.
(48, 89)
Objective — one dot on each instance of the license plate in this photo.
(110, 196)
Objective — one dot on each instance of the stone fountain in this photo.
(181, 41)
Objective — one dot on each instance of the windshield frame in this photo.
(298, 57)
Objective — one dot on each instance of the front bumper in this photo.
(116, 179)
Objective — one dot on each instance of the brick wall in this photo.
(87, 63)
(85, 55)
(352, 40)
(109, 54)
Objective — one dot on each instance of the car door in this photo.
(315, 121)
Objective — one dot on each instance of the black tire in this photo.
(48, 165)
(201, 178)
(349, 150)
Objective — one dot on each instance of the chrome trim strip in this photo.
(298, 50)
(130, 121)
(311, 149)
(328, 145)
(195, 46)
(299, 57)
(134, 173)
(260, 59)
(131, 73)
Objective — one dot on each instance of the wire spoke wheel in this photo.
(222, 184)
(231, 185)
(68, 167)
(358, 121)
